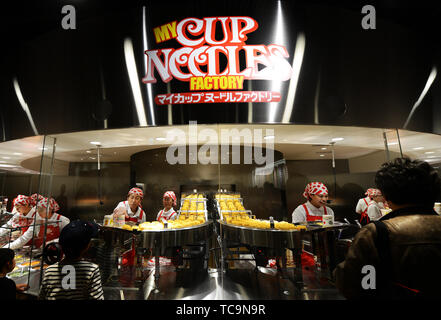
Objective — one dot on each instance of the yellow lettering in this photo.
(172, 28)
(200, 83)
(231, 82)
(192, 83)
(207, 83)
(223, 83)
(239, 82)
(161, 33)
(216, 83)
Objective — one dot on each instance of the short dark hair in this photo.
(76, 236)
(405, 181)
(6, 255)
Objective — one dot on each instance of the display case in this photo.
(234, 218)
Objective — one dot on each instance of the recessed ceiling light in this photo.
(92, 158)
(88, 151)
(95, 142)
(418, 148)
(429, 152)
(323, 148)
(338, 139)
(392, 143)
(42, 148)
(268, 137)
(160, 139)
(322, 155)
(17, 154)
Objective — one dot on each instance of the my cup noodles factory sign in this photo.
(197, 61)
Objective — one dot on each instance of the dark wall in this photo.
(12, 184)
(349, 187)
(362, 77)
(150, 167)
(78, 192)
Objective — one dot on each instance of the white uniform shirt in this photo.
(137, 214)
(167, 215)
(62, 221)
(361, 205)
(13, 222)
(299, 214)
(374, 211)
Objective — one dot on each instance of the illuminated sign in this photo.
(197, 61)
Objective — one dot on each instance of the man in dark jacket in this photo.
(399, 256)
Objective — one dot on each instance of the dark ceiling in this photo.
(367, 78)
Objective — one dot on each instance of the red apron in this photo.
(24, 222)
(129, 257)
(364, 216)
(160, 215)
(136, 219)
(313, 218)
(53, 232)
(308, 259)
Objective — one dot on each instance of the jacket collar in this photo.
(426, 210)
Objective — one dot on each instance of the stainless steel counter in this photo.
(246, 283)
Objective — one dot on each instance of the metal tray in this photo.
(271, 238)
(174, 237)
(335, 226)
(158, 238)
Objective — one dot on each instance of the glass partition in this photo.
(24, 170)
(345, 159)
(262, 169)
(93, 171)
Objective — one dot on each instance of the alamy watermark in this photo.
(203, 146)
(69, 280)
(369, 20)
(69, 21)
(368, 282)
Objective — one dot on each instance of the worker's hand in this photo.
(15, 235)
(119, 211)
(22, 287)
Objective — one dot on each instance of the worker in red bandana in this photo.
(373, 211)
(373, 195)
(132, 207)
(45, 211)
(133, 212)
(315, 208)
(168, 213)
(363, 203)
(24, 212)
